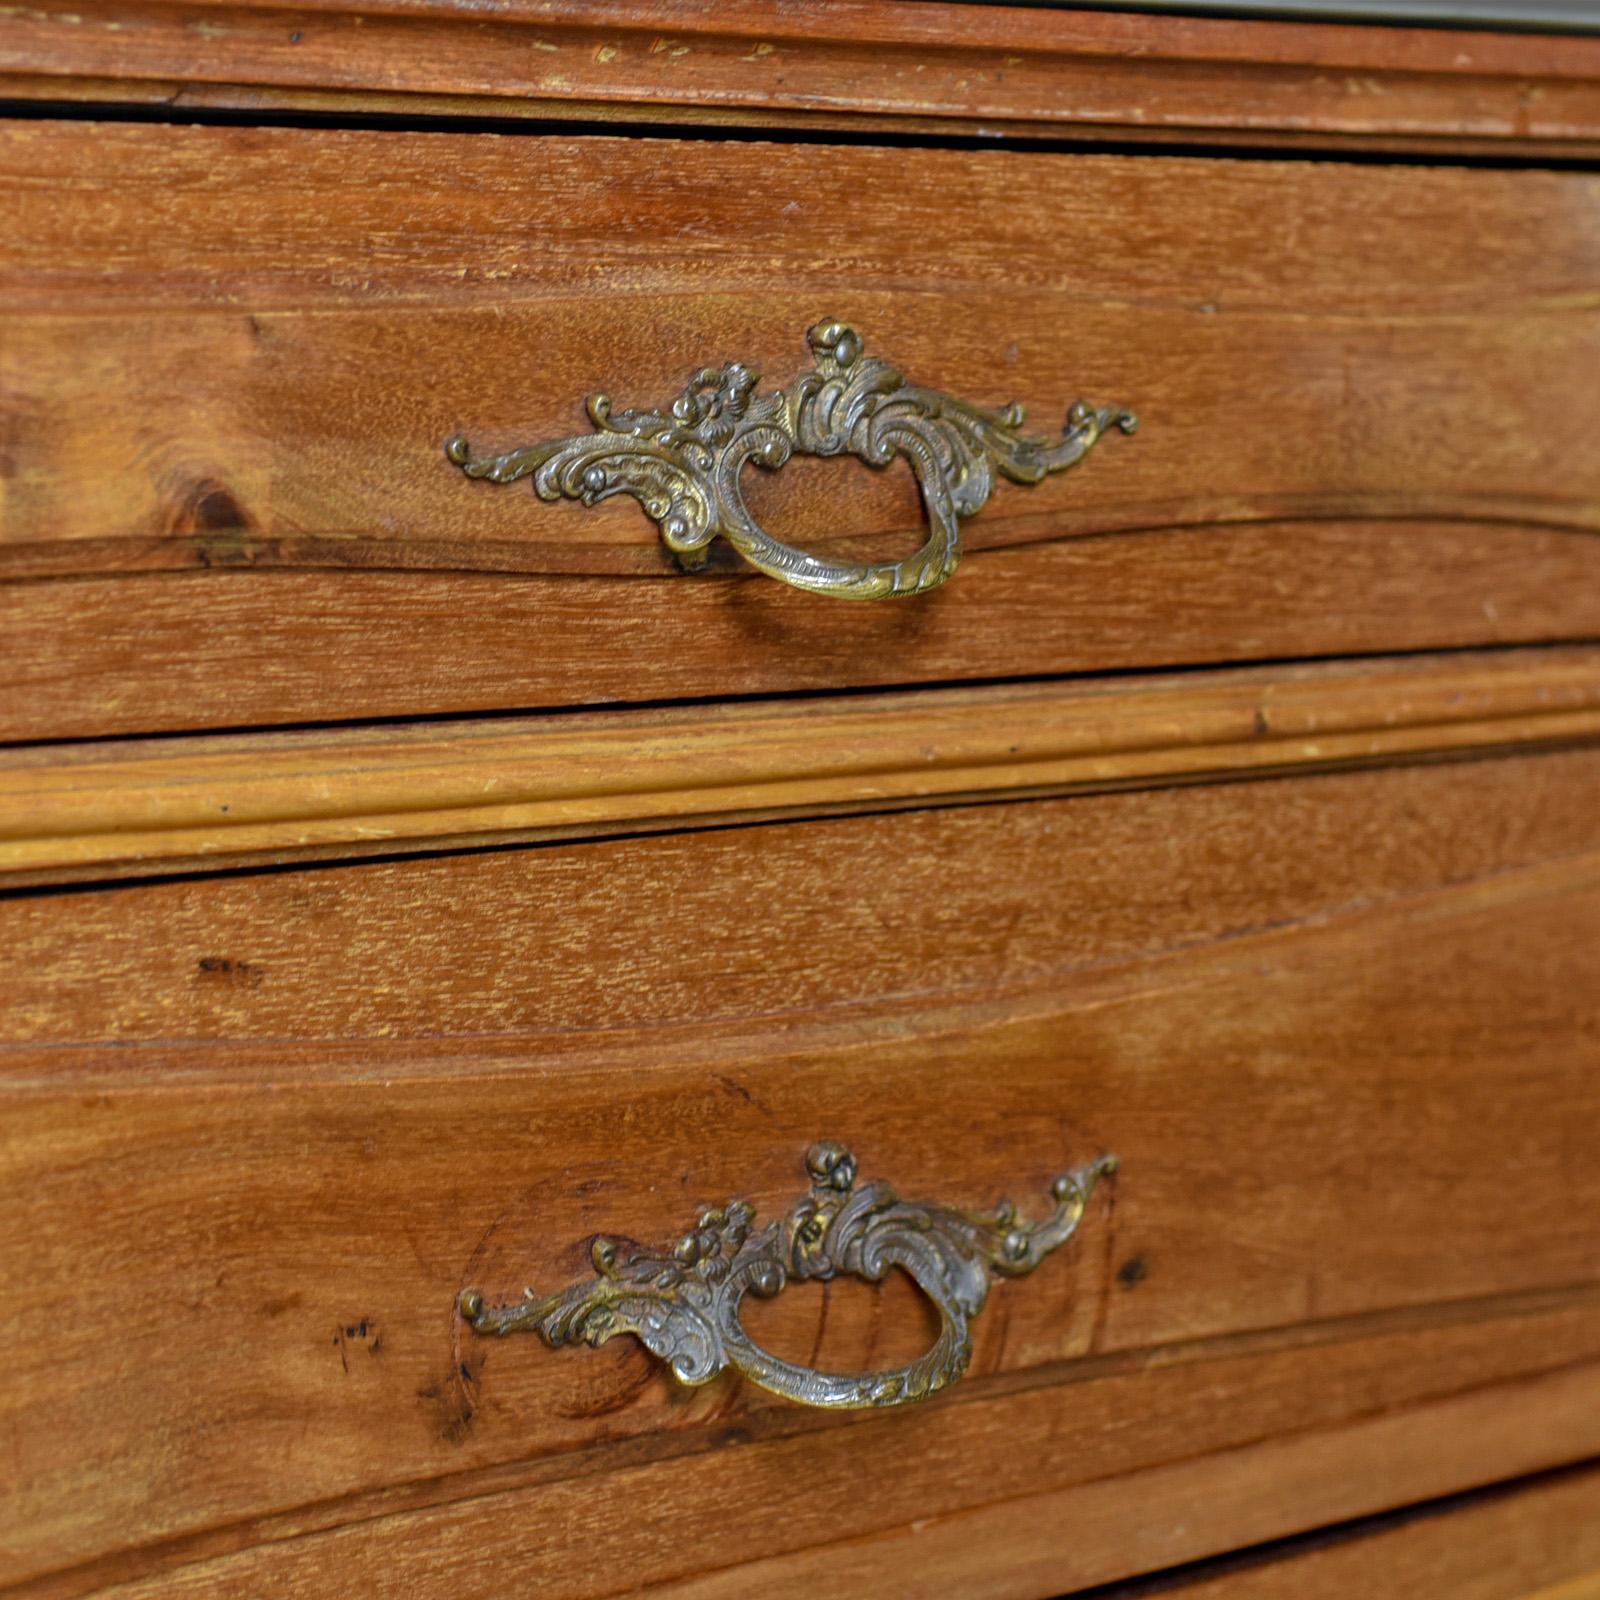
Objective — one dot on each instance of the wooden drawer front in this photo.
(260, 1131)
(232, 358)
(1538, 1540)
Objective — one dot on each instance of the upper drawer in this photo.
(232, 358)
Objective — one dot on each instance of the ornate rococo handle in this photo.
(683, 465)
(683, 1303)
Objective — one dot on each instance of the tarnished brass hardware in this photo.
(683, 1303)
(683, 465)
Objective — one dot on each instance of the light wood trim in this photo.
(185, 803)
(992, 71)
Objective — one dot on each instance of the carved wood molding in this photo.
(186, 804)
(932, 67)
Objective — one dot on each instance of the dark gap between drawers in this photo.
(1340, 150)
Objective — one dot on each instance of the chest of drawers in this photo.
(1076, 1070)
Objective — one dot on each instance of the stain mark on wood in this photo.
(363, 1333)
(227, 967)
(452, 1396)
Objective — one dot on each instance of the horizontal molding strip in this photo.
(74, 811)
(992, 71)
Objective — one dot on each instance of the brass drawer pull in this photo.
(683, 1304)
(683, 465)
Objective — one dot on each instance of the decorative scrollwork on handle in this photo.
(683, 1303)
(683, 465)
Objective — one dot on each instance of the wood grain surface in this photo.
(1009, 1546)
(1018, 1548)
(870, 66)
(630, 934)
(261, 1126)
(1535, 1540)
(242, 350)
(293, 322)
(262, 648)
(1346, 1427)
(76, 811)
(248, 1169)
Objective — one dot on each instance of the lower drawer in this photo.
(1538, 1540)
(262, 1130)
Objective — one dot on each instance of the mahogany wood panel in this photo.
(1041, 1544)
(562, 942)
(574, 1535)
(244, 348)
(1537, 1540)
(953, 68)
(271, 333)
(181, 804)
(260, 1128)
(220, 649)
(240, 1278)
